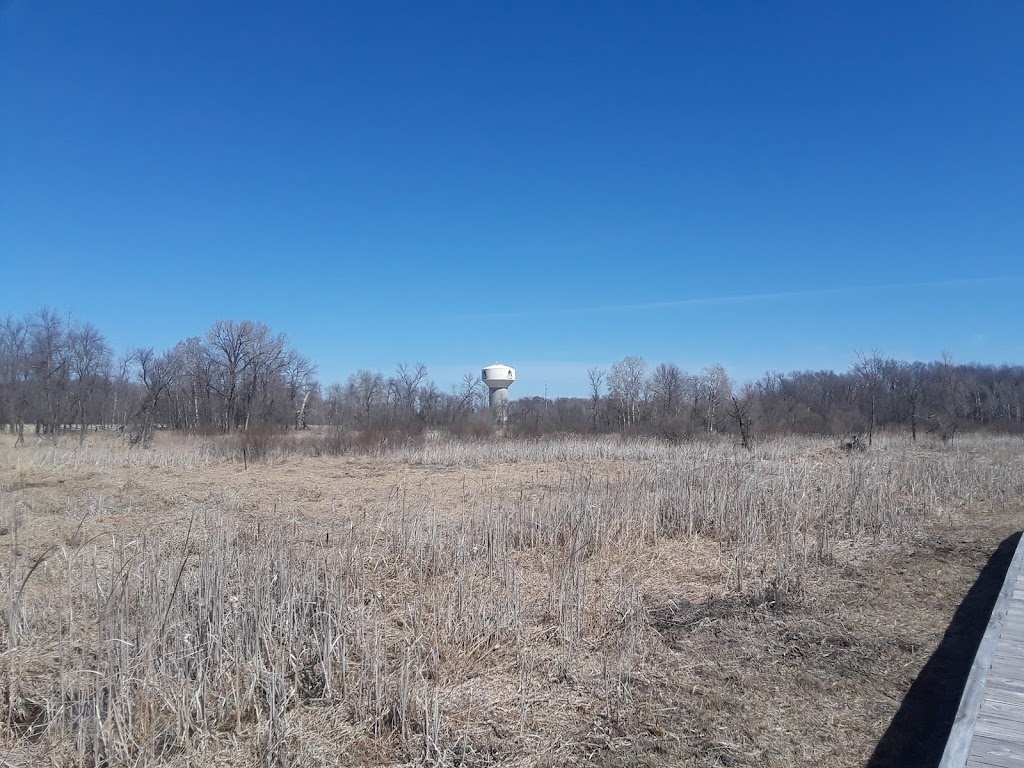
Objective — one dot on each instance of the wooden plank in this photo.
(1008, 709)
(993, 762)
(1011, 658)
(1006, 664)
(1000, 695)
(960, 744)
(1013, 728)
(1000, 670)
(990, 750)
(1006, 686)
(1009, 651)
(995, 752)
(1007, 660)
(1008, 644)
(1005, 676)
(1010, 732)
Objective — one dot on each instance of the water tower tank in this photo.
(498, 379)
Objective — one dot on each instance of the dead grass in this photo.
(547, 602)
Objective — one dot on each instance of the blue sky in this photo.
(551, 185)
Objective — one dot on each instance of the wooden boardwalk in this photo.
(989, 728)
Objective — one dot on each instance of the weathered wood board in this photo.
(989, 728)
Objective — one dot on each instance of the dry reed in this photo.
(424, 630)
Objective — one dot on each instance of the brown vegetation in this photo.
(243, 601)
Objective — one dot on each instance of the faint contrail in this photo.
(741, 298)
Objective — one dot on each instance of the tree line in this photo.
(58, 374)
(877, 392)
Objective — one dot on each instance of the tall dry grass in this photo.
(423, 631)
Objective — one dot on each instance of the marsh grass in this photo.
(432, 631)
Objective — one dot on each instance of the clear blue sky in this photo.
(553, 185)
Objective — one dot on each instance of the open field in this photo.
(557, 602)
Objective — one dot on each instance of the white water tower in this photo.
(498, 379)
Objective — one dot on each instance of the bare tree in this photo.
(249, 367)
(714, 388)
(430, 398)
(121, 391)
(626, 384)
(668, 385)
(595, 378)
(367, 389)
(50, 366)
(468, 396)
(871, 370)
(195, 391)
(743, 409)
(334, 405)
(300, 380)
(156, 374)
(229, 346)
(268, 358)
(15, 375)
(945, 417)
(405, 386)
(90, 360)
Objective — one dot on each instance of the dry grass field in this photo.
(559, 602)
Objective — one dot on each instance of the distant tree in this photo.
(595, 378)
(229, 346)
(156, 373)
(872, 371)
(469, 394)
(15, 375)
(367, 390)
(668, 390)
(49, 355)
(195, 394)
(431, 402)
(300, 385)
(714, 388)
(254, 375)
(743, 410)
(947, 400)
(90, 359)
(910, 384)
(626, 386)
(405, 389)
